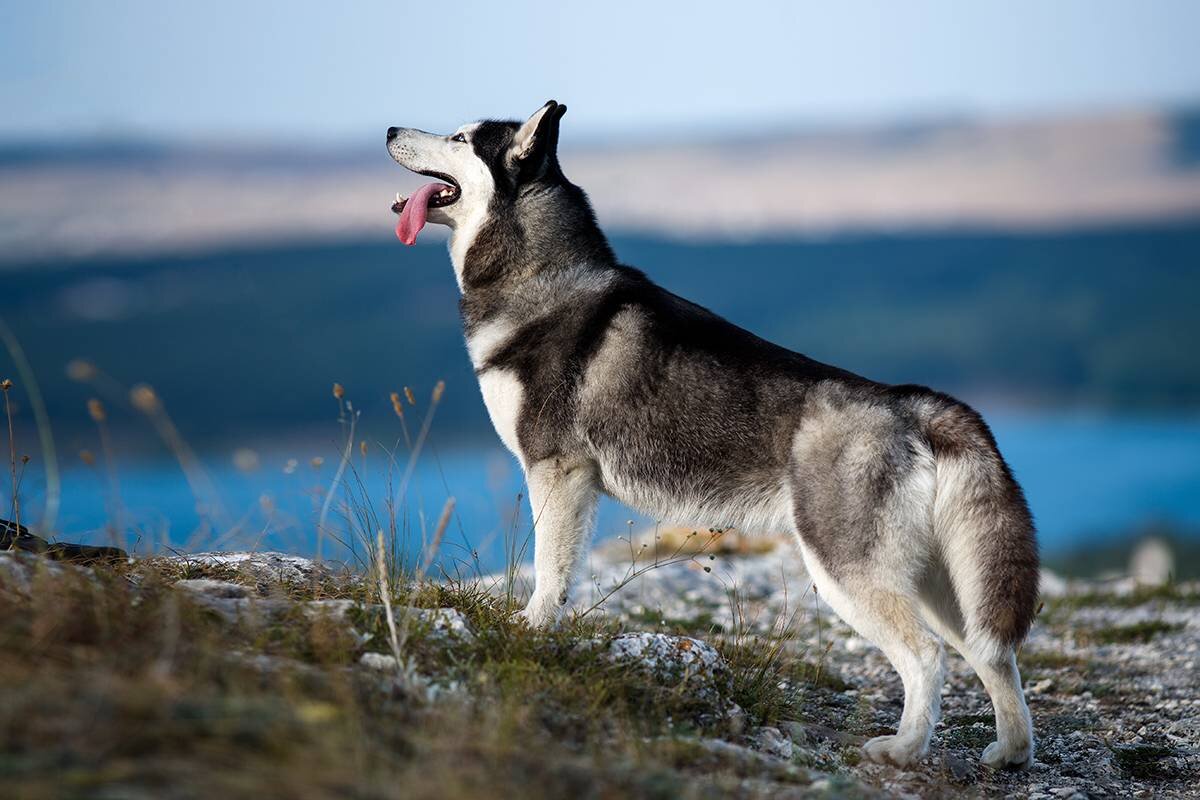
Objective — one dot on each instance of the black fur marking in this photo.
(491, 140)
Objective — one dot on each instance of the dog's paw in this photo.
(1012, 756)
(539, 613)
(895, 750)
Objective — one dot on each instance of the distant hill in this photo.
(127, 197)
(247, 342)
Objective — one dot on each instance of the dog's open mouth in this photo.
(414, 210)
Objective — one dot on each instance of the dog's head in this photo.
(475, 167)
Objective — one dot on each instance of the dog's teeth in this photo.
(399, 198)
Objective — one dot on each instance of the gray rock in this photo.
(17, 568)
(738, 753)
(235, 602)
(772, 742)
(673, 659)
(445, 623)
(214, 589)
(268, 565)
(795, 732)
(958, 768)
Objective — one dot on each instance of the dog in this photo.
(599, 381)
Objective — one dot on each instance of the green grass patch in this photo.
(1050, 660)
(970, 731)
(1143, 761)
(1138, 632)
(1168, 593)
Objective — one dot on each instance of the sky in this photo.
(310, 71)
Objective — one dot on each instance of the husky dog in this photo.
(907, 517)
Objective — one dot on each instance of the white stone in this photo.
(381, 662)
(1152, 562)
(211, 588)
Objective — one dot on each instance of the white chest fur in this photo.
(503, 395)
(502, 391)
(461, 239)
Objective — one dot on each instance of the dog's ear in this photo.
(537, 140)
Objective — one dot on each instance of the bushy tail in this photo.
(985, 530)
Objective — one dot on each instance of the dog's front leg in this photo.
(563, 497)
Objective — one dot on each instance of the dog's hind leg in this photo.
(891, 621)
(563, 496)
(863, 491)
(996, 666)
(982, 592)
(1014, 727)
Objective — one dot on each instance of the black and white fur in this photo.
(598, 380)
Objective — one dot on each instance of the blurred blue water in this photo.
(1085, 477)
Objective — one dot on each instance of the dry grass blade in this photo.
(6, 386)
(146, 400)
(426, 424)
(99, 415)
(327, 503)
(385, 597)
(439, 532)
(42, 420)
(683, 552)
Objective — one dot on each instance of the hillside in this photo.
(270, 676)
(59, 200)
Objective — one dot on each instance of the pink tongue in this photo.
(412, 218)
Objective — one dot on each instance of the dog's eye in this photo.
(458, 137)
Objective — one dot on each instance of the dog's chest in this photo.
(503, 394)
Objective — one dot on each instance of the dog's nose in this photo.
(392, 133)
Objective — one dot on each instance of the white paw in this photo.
(1018, 755)
(540, 613)
(895, 750)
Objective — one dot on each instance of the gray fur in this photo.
(904, 510)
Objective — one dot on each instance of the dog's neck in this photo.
(516, 250)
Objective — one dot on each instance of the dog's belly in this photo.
(759, 507)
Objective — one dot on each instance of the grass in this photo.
(703, 622)
(130, 685)
(1050, 660)
(970, 731)
(1143, 761)
(1134, 633)
(1172, 593)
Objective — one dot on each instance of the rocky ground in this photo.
(696, 665)
(1111, 669)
